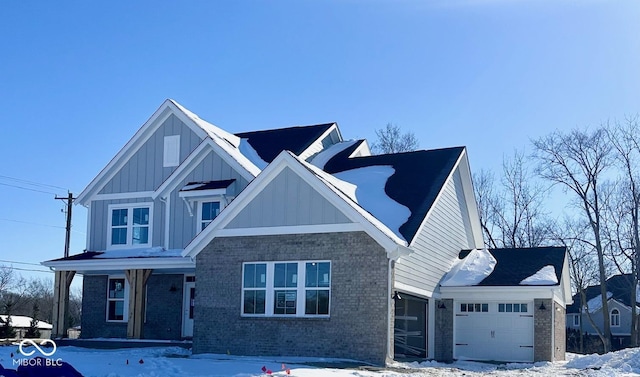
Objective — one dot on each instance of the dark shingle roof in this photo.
(419, 176)
(82, 256)
(208, 185)
(515, 265)
(269, 143)
(620, 287)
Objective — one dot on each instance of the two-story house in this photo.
(294, 241)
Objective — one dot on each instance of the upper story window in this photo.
(130, 225)
(615, 317)
(171, 155)
(208, 211)
(296, 289)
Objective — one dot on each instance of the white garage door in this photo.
(494, 331)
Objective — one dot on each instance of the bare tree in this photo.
(391, 140)
(512, 212)
(577, 161)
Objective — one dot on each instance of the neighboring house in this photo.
(619, 293)
(300, 243)
(21, 325)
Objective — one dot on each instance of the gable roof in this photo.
(333, 189)
(513, 265)
(418, 179)
(620, 286)
(217, 138)
(269, 143)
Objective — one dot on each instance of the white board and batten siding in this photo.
(287, 201)
(145, 170)
(446, 231)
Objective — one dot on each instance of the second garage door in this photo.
(501, 331)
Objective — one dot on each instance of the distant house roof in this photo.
(24, 322)
(419, 176)
(269, 143)
(515, 265)
(620, 287)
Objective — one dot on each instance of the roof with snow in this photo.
(524, 266)
(207, 185)
(620, 287)
(269, 143)
(417, 179)
(21, 321)
(150, 252)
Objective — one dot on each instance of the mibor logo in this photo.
(29, 342)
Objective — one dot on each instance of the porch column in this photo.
(61, 303)
(137, 299)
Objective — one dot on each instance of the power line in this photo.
(16, 262)
(32, 182)
(38, 224)
(26, 188)
(30, 270)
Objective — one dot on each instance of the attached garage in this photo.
(504, 305)
(500, 331)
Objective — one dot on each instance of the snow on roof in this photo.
(151, 252)
(25, 322)
(595, 303)
(545, 276)
(321, 159)
(370, 194)
(247, 150)
(471, 270)
(192, 186)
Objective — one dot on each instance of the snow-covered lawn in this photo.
(173, 362)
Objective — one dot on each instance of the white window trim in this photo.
(300, 289)
(171, 155)
(125, 309)
(200, 204)
(129, 207)
(617, 314)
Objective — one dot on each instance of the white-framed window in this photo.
(117, 299)
(289, 288)
(474, 307)
(207, 211)
(615, 317)
(513, 308)
(171, 156)
(129, 225)
(576, 320)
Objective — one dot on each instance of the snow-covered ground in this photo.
(173, 362)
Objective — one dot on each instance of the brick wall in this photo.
(164, 309)
(358, 323)
(559, 332)
(542, 328)
(444, 330)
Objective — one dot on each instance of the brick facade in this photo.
(542, 330)
(444, 330)
(358, 326)
(559, 332)
(164, 309)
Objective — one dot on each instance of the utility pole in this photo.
(67, 239)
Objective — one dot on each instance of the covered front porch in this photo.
(149, 297)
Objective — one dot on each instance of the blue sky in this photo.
(77, 79)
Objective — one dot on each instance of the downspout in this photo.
(553, 326)
(167, 213)
(389, 306)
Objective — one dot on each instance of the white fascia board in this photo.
(363, 148)
(285, 159)
(499, 293)
(118, 161)
(306, 153)
(437, 199)
(470, 198)
(565, 282)
(121, 263)
(202, 193)
(184, 169)
(414, 290)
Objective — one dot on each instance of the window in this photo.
(208, 212)
(171, 156)
(117, 299)
(615, 317)
(129, 226)
(480, 308)
(576, 320)
(297, 289)
(512, 308)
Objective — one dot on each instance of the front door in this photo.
(188, 307)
